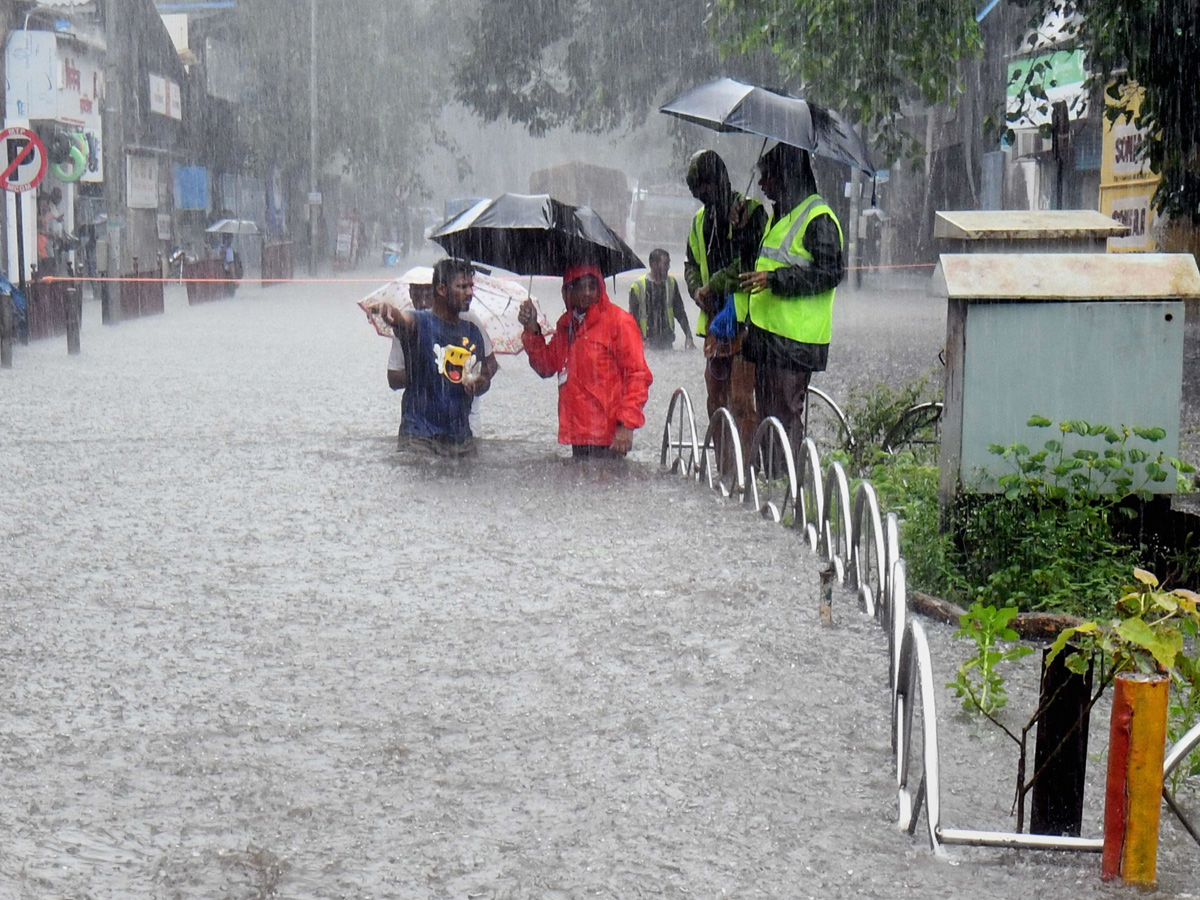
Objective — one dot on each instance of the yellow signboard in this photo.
(1126, 182)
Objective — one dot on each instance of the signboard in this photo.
(141, 181)
(61, 82)
(1061, 75)
(165, 98)
(1132, 210)
(23, 158)
(1126, 182)
(80, 99)
(31, 70)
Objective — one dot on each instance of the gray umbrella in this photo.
(728, 105)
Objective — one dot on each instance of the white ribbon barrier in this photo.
(864, 551)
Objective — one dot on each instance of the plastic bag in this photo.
(724, 325)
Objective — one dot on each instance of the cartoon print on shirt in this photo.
(453, 360)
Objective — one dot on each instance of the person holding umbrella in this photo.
(596, 352)
(791, 289)
(718, 251)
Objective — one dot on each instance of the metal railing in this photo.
(864, 550)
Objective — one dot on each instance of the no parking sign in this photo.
(23, 157)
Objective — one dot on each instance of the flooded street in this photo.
(248, 650)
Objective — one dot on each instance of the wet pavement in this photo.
(249, 650)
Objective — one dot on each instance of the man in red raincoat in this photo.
(596, 352)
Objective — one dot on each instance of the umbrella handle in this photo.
(753, 167)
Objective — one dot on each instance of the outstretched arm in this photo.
(681, 316)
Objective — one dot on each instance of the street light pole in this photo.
(314, 207)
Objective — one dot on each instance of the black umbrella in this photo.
(534, 234)
(728, 105)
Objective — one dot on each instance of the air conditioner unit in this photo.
(1031, 143)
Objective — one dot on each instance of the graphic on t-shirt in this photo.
(452, 360)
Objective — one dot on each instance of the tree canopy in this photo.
(597, 65)
(592, 65)
(1151, 45)
(382, 76)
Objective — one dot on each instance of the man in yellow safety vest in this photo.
(791, 289)
(655, 302)
(718, 250)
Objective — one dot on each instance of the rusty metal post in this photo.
(825, 611)
(1136, 748)
(74, 304)
(7, 324)
(106, 304)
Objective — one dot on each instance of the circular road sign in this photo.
(22, 160)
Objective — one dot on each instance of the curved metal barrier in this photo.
(722, 426)
(772, 452)
(867, 550)
(837, 419)
(891, 543)
(837, 531)
(677, 442)
(811, 508)
(915, 669)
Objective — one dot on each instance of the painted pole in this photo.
(1137, 745)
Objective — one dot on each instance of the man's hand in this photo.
(754, 282)
(704, 299)
(475, 385)
(689, 344)
(739, 216)
(622, 441)
(527, 316)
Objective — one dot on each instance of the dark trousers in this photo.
(781, 393)
(730, 382)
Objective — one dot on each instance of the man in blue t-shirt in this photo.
(445, 363)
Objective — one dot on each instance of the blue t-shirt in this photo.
(438, 355)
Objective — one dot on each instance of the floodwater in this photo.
(249, 650)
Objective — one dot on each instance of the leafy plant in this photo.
(1085, 472)
(874, 415)
(1152, 633)
(1055, 537)
(979, 683)
(1147, 637)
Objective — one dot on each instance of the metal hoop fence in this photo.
(863, 549)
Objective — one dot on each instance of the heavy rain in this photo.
(277, 619)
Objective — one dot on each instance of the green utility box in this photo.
(1025, 230)
(1067, 336)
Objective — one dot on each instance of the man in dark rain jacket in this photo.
(791, 289)
(718, 250)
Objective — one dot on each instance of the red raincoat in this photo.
(603, 378)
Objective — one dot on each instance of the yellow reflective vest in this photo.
(639, 290)
(807, 319)
(700, 255)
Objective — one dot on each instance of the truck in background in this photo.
(583, 184)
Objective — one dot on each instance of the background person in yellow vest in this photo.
(718, 251)
(655, 302)
(791, 288)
